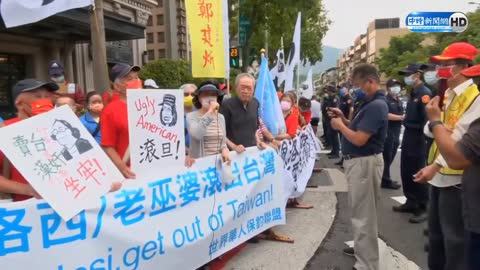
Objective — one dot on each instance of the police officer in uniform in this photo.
(346, 106)
(413, 156)
(325, 119)
(392, 142)
(332, 135)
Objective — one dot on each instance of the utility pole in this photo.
(99, 51)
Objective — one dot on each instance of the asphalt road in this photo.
(394, 229)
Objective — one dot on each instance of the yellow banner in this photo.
(205, 23)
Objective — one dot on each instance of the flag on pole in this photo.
(265, 93)
(294, 55)
(20, 12)
(307, 91)
(278, 71)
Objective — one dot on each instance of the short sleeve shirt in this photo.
(241, 121)
(416, 116)
(346, 103)
(469, 145)
(394, 107)
(372, 118)
(114, 126)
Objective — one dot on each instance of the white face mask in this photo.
(395, 89)
(207, 100)
(431, 77)
(409, 80)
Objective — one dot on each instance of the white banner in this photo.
(181, 219)
(20, 12)
(60, 159)
(298, 156)
(156, 131)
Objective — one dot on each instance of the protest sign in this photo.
(298, 156)
(151, 224)
(205, 24)
(156, 128)
(60, 159)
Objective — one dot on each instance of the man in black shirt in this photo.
(413, 157)
(395, 117)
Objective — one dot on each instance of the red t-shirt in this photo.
(114, 126)
(15, 175)
(307, 116)
(109, 97)
(292, 123)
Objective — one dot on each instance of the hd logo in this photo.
(456, 22)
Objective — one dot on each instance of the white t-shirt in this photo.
(316, 110)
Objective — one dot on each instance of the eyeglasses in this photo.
(58, 130)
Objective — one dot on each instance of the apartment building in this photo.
(366, 47)
(167, 32)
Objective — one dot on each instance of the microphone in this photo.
(216, 107)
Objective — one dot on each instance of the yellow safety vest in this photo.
(450, 117)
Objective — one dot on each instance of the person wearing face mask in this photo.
(114, 118)
(430, 76)
(290, 115)
(359, 98)
(333, 137)
(346, 106)
(56, 71)
(414, 145)
(392, 142)
(91, 119)
(461, 107)
(32, 97)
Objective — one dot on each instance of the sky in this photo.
(350, 18)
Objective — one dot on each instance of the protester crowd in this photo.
(361, 121)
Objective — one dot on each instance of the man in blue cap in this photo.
(56, 71)
(414, 145)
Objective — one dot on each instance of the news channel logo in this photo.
(435, 22)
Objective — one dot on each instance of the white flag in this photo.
(278, 71)
(20, 12)
(307, 91)
(294, 55)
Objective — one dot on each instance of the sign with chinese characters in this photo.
(205, 23)
(156, 127)
(60, 159)
(182, 213)
(298, 156)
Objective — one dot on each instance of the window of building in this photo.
(160, 37)
(160, 19)
(149, 37)
(161, 53)
(150, 21)
(151, 55)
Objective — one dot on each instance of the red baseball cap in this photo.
(458, 50)
(473, 71)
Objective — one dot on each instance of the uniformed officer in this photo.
(392, 142)
(332, 102)
(346, 106)
(414, 145)
(325, 119)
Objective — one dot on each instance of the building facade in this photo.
(167, 31)
(26, 50)
(366, 47)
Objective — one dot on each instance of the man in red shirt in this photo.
(31, 98)
(114, 118)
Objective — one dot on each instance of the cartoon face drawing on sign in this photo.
(69, 137)
(168, 113)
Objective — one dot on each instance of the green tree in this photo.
(168, 73)
(278, 17)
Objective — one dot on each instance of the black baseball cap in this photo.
(426, 66)
(393, 82)
(121, 70)
(208, 87)
(55, 68)
(411, 68)
(28, 85)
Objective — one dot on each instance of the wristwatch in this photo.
(433, 124)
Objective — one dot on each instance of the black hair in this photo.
(75, 131)
(90, 95)
(366, 71)
(467, 62)
(196, 101)
(304, 103)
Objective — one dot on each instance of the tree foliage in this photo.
(168, 73)
(278, 18)
(418, 48)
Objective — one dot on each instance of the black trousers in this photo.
(333, 139)
(446, 231)
(473, 251)
(412, 160)
(392, 142)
